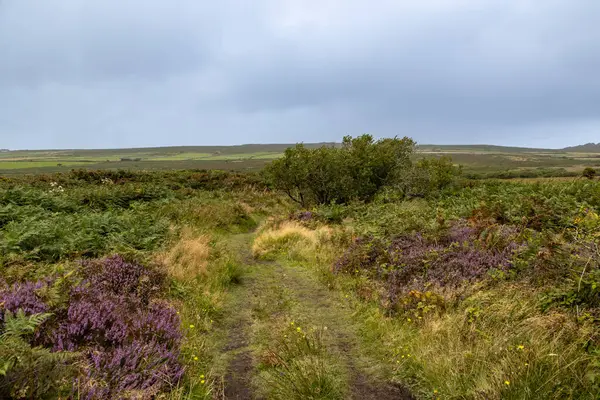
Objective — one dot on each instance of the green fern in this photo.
(26, 371)
(19, 324)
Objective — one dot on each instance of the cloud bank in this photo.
(108, 73)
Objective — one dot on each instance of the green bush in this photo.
(355, 171)
(428, 176)
(589, 173)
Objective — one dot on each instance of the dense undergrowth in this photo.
(111, 280)
(486, 291)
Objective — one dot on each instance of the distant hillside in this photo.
(478, 148)
(584, 148)
(237, 149)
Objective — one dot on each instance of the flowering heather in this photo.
(94, 317)
(24, 296)
(130, 339)
(140, 367)
(159, 322)
(115, 275)
(414, 262)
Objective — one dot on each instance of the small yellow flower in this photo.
(527, 364)
(292, 323)
(299, 329)
(192, 326)
(520, 347)
(435, 391)
(409, 320)
(195, 358)
(507, 383)
(177, 312)
(202, 381)
(202, 376)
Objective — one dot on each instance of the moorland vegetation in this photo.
(119, 284)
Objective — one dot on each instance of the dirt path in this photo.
(271, 292)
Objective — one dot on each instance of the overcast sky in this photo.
(134, 73)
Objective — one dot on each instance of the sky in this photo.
(138, 73)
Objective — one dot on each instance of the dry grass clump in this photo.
(188, 257)
(297, 242)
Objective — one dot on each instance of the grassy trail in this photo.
(288, 336)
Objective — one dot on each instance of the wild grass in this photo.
(296, 242)
(188, 257)
(299, 366)
(497, 345)
(495, 337)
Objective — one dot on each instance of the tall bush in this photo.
(354, 171)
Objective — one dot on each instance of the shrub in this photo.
(139, 369)
(589, 173)
(428, 176)
(25, 297)
(357, 170)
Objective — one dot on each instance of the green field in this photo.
(477, 160)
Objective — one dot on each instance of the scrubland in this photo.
(206, 284)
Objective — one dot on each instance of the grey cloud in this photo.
(112, 73)
(83, 41)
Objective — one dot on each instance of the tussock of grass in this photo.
(299, 366)
(289, 238)
(296, 242)
(188, 257)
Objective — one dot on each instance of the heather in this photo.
(127, 338)
(407, 282)
(459, 256)
(480, 290)
(89, 307)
